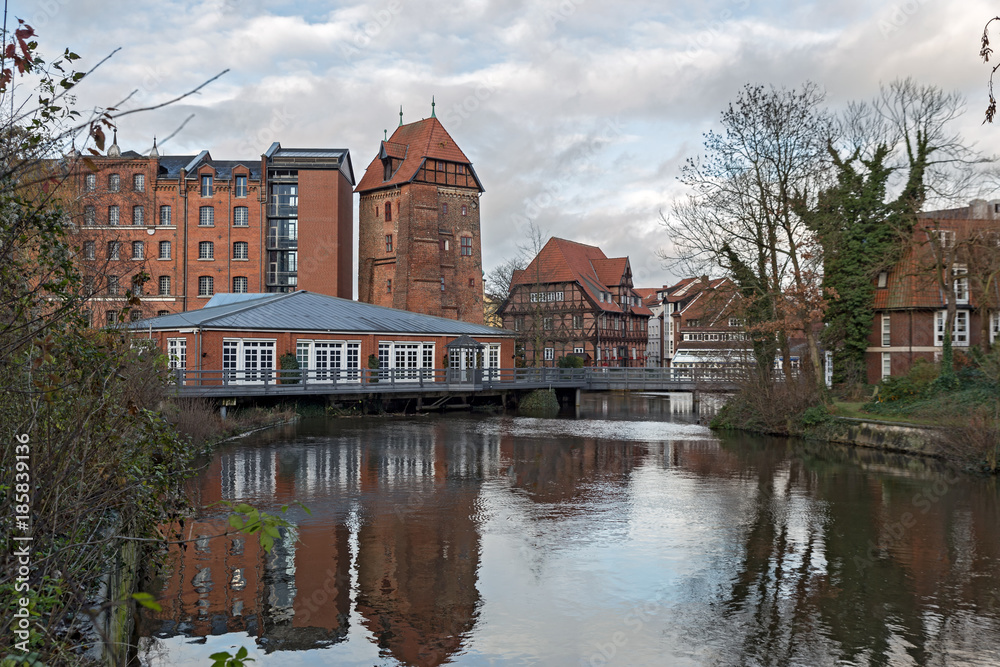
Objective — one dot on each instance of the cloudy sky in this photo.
(575, 113)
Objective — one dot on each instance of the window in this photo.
(459, 168)
(886, 365)
(114, 182)
(960, 283)
(442, 284)
(241, 285)
(546, 322)
(886, 337)
(138, 215)
(995, 327)
(206, 185)
(112, 215)
(164, 285)
(388, 211)
(138, 250)
(206, 285)
(734, 321)
(444, 244)
(578, 321)
(518, 323)
(549, 354)
(88, 250)
(241, 250)
(241, 186)
(472, 282)
(113, 285)
(444, 209)
(137, 283)
(467, 246)
(112, 317)
(946, 237)
(388, 285)
(465, 210)
(161, 313)
(112, 249)
(139, 182)
(164, 215)
(206, 250)
(206, 216)
(177, 353)
(89, 215)
(959, 328)
(90, 183)
(241, 216)
(164, 249)
(577, 350)
(388, 242)
(883, 279)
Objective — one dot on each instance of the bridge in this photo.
(349, 384)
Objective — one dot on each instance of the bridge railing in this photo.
(352, 380)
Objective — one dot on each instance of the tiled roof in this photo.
(913, 282)
(171, 165)
(611, 271)
(307, 311)
(413, 143)
(563, 261)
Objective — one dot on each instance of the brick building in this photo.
(419, 234)
(956, 250)
(191, 226)
(572, 299)
(703, 326)
(331, 338)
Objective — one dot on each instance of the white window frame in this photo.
(241, 186)
(139, 182)
(209, 283)
(549, 354)
(994, 327)
(114, 215)
(165, 214)
(165, 249)
(177, 353)
(138, 250)
(959, 329)
(206, 216)
(241, 216)
(241, 284)
(90, 183)
(960, 283)
(206, 250)
(886, 365)
(886, 331)
(241, 250)
(164, 285)
(138, 215)
(248, 360)
(329, 361)
(413, 358)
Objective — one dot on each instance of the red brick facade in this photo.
(910, 298)
(419, 226)
(192, 226)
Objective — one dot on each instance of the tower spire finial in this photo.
(432, 107)
(401, 115)
(385, 135)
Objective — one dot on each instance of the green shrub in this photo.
(570, 361)
(539, 403)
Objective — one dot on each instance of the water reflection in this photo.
(639, 539)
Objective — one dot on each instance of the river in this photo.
(627, 534)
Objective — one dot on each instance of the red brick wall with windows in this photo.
(326, 236)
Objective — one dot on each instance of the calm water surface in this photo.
(629, 535)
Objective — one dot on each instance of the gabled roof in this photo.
(413, 144)
(170, 166)
(308, 311)
(564, 261)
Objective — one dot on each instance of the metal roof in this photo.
(226, 298)
(308, 311)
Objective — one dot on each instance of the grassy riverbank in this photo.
(964, 404)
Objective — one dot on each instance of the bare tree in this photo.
(740, 215)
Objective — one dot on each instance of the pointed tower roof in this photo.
(413, 143)
(154, 152)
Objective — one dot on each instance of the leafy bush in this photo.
(570, 361)
(539, 403)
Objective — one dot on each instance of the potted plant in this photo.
(373, 365)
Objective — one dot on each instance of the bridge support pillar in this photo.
(222, 412)
(577, 399)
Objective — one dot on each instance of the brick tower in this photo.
(419, 240)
